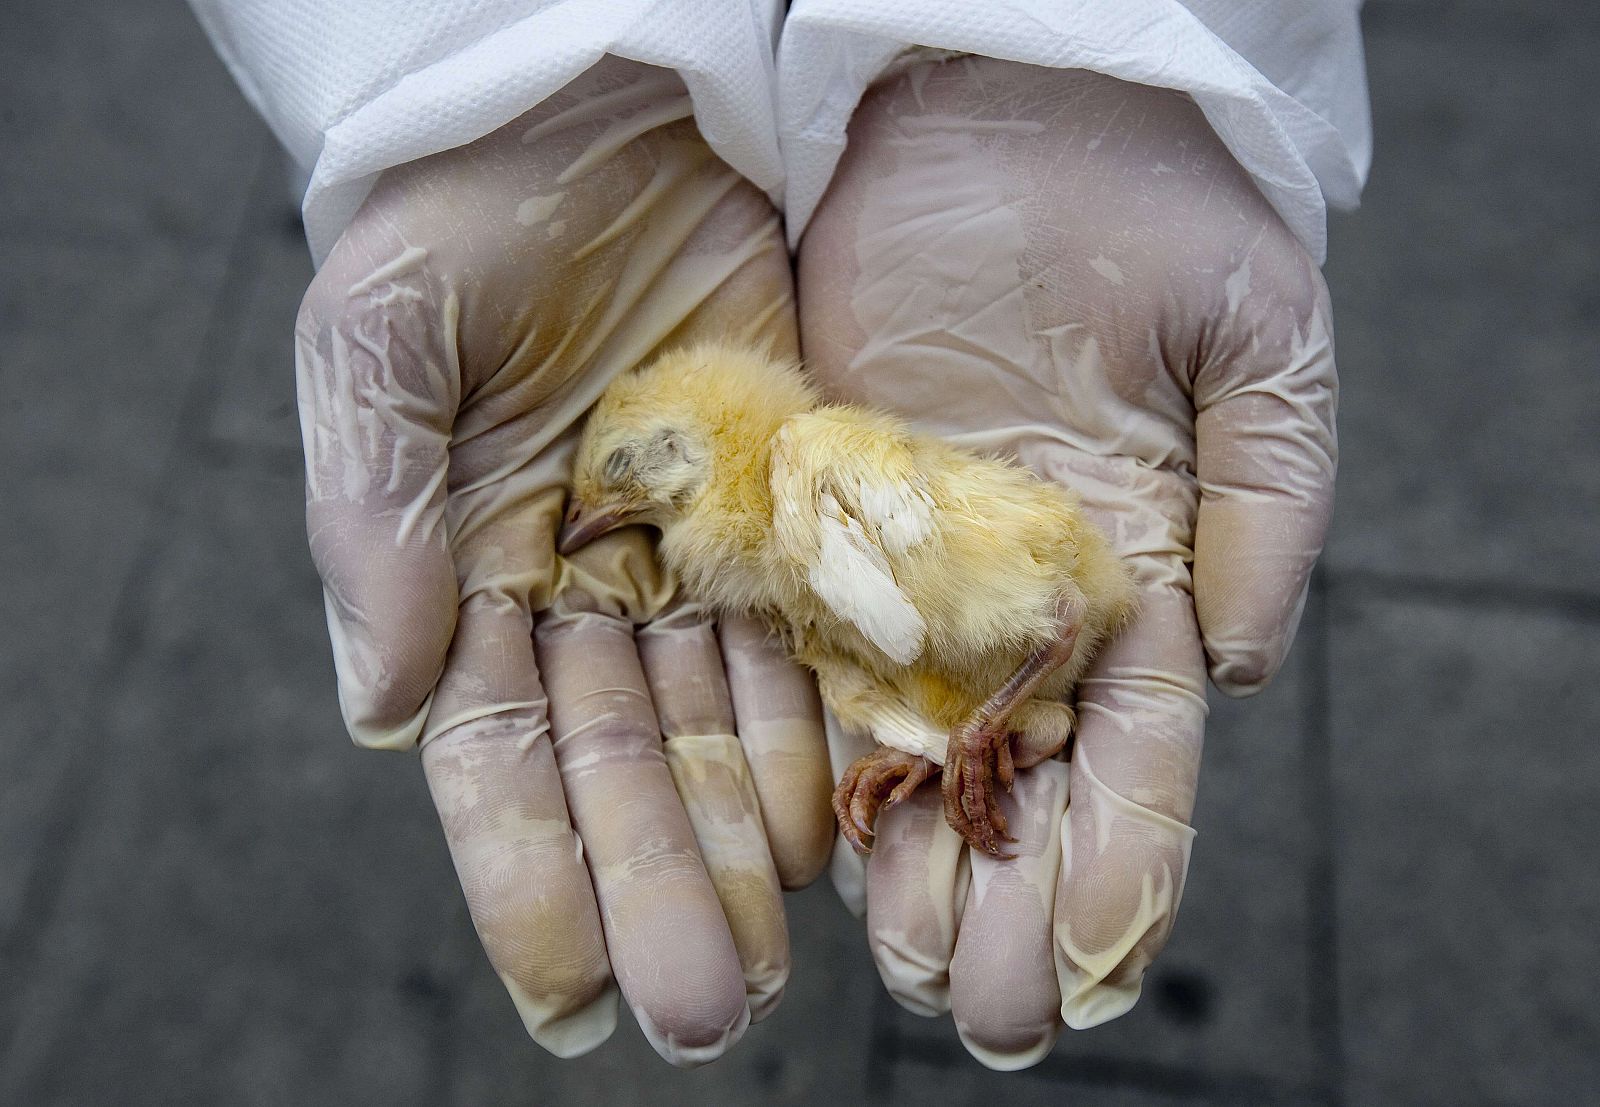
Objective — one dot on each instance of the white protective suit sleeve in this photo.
(354, 88)
(1282, 82)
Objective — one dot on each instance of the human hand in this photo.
(1073, 271)
(475, 307)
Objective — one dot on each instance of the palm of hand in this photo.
(1072, 271)
(475, 307)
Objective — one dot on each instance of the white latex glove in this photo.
(471, 312)
(1073, 271)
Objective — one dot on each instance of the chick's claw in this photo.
(977, 756)
(880, 780)
(1004, 768)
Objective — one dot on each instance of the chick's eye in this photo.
(618, 465)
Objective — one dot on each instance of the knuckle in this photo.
(695, 718)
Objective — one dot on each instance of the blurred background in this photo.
(208, 895)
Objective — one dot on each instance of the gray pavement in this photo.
(207, 895)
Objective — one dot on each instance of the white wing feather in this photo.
(901, 513)
(844, 528)
(852, 576)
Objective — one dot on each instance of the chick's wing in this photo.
(848, 505)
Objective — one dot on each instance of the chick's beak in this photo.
(585, 523)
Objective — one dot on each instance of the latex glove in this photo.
(475, 307)
(1071, 270)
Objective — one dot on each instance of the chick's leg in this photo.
(881, 779)
(889, 774)
(980, 748)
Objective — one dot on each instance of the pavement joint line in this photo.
(1522, 26)
(1318, 792)
(82, 773)
(458, 974)
(127, 241)
(1101, 1070)
(884, 1046)
(1485, 594)
(223, 453)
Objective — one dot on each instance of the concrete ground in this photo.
(207, 895)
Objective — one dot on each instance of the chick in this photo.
(946, 602)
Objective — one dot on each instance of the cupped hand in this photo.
(1072, 271)
(624, 786)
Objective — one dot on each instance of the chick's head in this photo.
(638, 462)
(658, 438)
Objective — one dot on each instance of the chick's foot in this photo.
(875, 782)
(979, 755)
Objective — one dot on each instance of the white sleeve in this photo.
(353, 87)
(1283, 82)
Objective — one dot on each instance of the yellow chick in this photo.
(947, 602)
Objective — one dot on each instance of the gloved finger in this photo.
(847, 869)
(1125, 839)
(780, 726)
(916, 887)
(1266, 454)
(378, 387)
(494, 781)
(683, 666)
(775, 703)
(1003, 992)
(669, 942)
